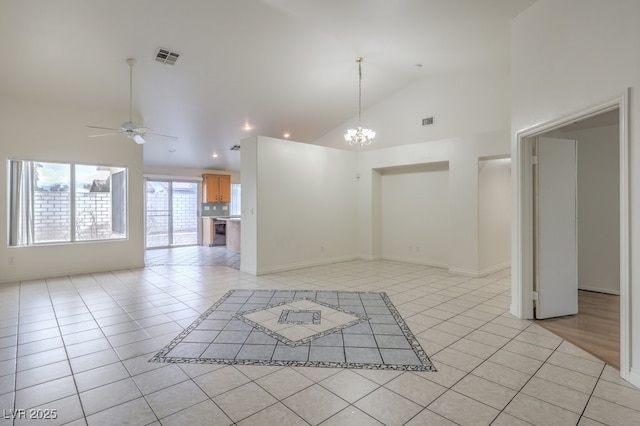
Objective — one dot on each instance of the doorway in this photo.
(523, 265)
(171, 213)
(587, 313)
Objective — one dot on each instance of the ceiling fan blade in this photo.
(105, 134)
(131, 129)
(160, 134)
(104, 128)
(142, 130)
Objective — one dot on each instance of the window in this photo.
(235, 208)
(59, 203)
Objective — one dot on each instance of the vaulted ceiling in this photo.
(280, 66)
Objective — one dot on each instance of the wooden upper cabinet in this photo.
(225, 188)
(217, 188)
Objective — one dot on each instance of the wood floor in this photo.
(596, 327)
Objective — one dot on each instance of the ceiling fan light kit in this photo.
(131, 129)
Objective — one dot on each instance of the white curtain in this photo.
(21, 203)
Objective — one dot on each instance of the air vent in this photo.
(166, 56)
(427, 121)
(235, 148)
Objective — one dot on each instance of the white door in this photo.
(557, 228)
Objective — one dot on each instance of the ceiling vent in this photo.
(427, 121)
(166, 56)
(235, 148)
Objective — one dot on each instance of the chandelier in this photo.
(359, 136)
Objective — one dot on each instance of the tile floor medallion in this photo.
(300, 328)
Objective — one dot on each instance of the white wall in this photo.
(568, 56)
(55, 133)
(471, 120)
(598, 208)
(301, 205)
(462, 155)
(494, 214)
(306, 204)
(249, 206)
(415, 214)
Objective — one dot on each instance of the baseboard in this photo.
(427, 262)
(634, 377)
(599, 290)
(70, 273)
(495, 268)
(304, 264)
(369, 258)
(474, 273)
(465, 272)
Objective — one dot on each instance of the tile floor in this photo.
(78, 347)
(192, 256)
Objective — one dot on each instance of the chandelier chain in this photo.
(359, 136)
(359, 92)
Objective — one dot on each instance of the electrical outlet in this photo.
(11, 260)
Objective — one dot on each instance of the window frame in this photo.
(72, 203)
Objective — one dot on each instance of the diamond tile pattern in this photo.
(300, 328)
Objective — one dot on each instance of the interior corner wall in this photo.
(598, 208)
(415, 214)
(304, 205)
(54, 133)
(461, 154)
(569, 56)
(494, 214)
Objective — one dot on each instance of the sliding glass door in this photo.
(171, 213)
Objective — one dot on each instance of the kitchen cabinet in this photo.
(216, 188)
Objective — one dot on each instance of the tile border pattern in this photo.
(425, 362)
(315, 316)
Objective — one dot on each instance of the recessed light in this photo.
(172, 150)
(286, 135)
(247, 127)
(418, 65)
(215, 155)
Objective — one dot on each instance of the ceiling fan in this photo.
(130, 129)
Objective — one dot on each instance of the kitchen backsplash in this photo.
(215, 209)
